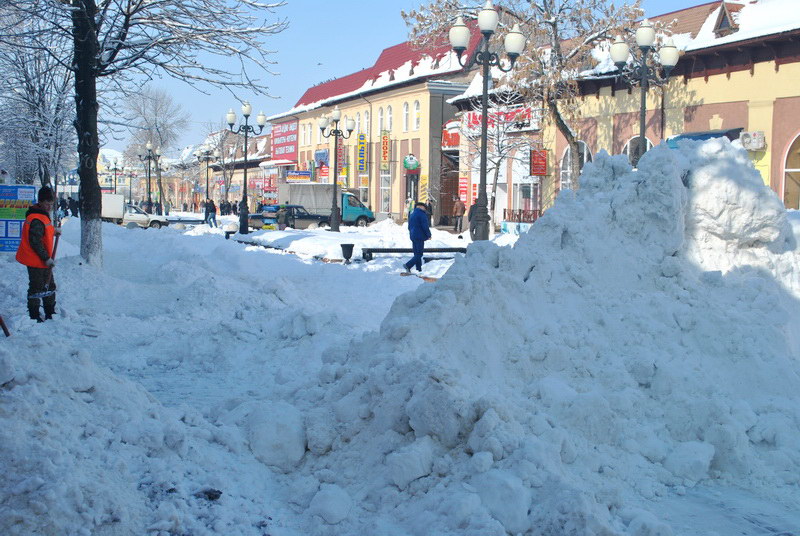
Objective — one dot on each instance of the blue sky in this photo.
(324, 40)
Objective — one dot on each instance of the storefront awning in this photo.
(277, 163)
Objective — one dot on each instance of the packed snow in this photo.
(628, 367)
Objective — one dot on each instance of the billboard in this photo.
(284, 141)
(14, 203)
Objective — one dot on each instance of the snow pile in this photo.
(85, 453)
(562, 386)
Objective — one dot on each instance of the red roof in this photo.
(691, 19)
(391, 58)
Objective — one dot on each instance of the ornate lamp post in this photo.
(245, 129)
(514, 44)
(207, 156)
(643, 73)
(324, 122)
(150, 156)
(115, 169)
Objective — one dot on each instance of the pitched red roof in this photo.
(689, 20)
(390, 59)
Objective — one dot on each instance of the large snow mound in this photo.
(639, 341)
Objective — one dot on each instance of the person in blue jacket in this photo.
(419, 231)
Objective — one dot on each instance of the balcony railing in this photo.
(521, 216)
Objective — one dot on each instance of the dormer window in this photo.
(726, 25)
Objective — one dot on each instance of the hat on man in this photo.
(45, 194)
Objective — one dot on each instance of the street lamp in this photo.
(206, 155)
(245, 129)
(643, 73)
(149, 156)
(325, 122)
(115, 169)
(514, 44)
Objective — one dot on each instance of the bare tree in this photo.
(561, 35)
(34, 99)
(157, 118)
(216, 42)
(508, 116)
(224, 142)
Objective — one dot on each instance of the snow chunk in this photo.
(276, 434)
(331, 503)
(506, 497)
(411, 463)
(690, 460)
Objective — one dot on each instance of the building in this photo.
(398, 106)
(737, 74)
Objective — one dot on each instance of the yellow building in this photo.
(398, 106)
(738, 74)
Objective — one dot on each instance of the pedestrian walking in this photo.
(211, 213)
(36, 251)
(419, 231)
(73, 206)
(472, 221)
(282, 217)
(458, 214)
(167, 206)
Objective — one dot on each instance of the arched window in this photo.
(584, 155)
(389, 118)
(791, 176)
(380, 120)
(631, 149)
(417, 115)
(358, 122)
(405, 117)
(366, 123)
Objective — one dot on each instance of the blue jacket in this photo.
(418, 226)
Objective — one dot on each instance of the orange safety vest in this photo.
(25, 253)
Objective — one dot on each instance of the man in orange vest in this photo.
(36, 252)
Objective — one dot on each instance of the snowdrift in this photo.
(637, 342)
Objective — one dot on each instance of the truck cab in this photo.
(354, 212)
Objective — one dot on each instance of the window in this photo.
(353, 201)
(389, 118)
(405, 117)
(584, 155)
(380, 120)
(366, 123)
(386, 184)
(417, 115)
(358, 122)
(632, 150)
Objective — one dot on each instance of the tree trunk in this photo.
(494, 196)
(572, 142)
(85, 50)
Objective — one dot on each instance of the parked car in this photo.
(143, 219)
(298, 218)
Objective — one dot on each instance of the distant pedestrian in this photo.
(459, 208)
(73, 206)
(419, 231)
(35, 251)
(236, 208)
(473, 224)
(185, 206)
(282, 217)
(211, 213)
(167, 206)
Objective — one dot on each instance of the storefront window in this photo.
(569, 182)
(386, 188)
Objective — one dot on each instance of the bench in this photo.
(367, 253)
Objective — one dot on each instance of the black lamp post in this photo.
(150, 156)
(245, 129)
(207, 156)
(324, 122)
(643, 73)
(115, 169)
(514, 44)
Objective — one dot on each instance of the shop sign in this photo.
(463, 188)
(298, 176)
(322, 171)
(423, 188)
(385, 150)
(14, 203)
(450, 140)
(411, 163)
(362, 152)
(364, 181)
(284, 140)
(538, 163)
(321, 156)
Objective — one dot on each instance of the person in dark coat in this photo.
(282, 217)
(471, 219)
(73, 206)
(36, 252)
(459, 208)
(211, 213)
(419, 231)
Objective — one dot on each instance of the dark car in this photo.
(298, 217)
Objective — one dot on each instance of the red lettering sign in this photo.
(539, 163)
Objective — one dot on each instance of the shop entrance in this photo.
(791, 176)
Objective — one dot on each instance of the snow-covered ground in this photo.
(629, 367)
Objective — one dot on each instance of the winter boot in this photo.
(49, 311)
(33, 311)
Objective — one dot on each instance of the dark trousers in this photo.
(37, 283)
(458, 223)
(418, 247)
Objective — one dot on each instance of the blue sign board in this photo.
(14, 203)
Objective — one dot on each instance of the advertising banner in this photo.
(284, 141)
(14, 203)
(538, 163)
(341, 159)
(385, 150)
(463, 188)
(362, 152)
(364, 181)
(423, 188)
(298, 176)
(322, 172)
